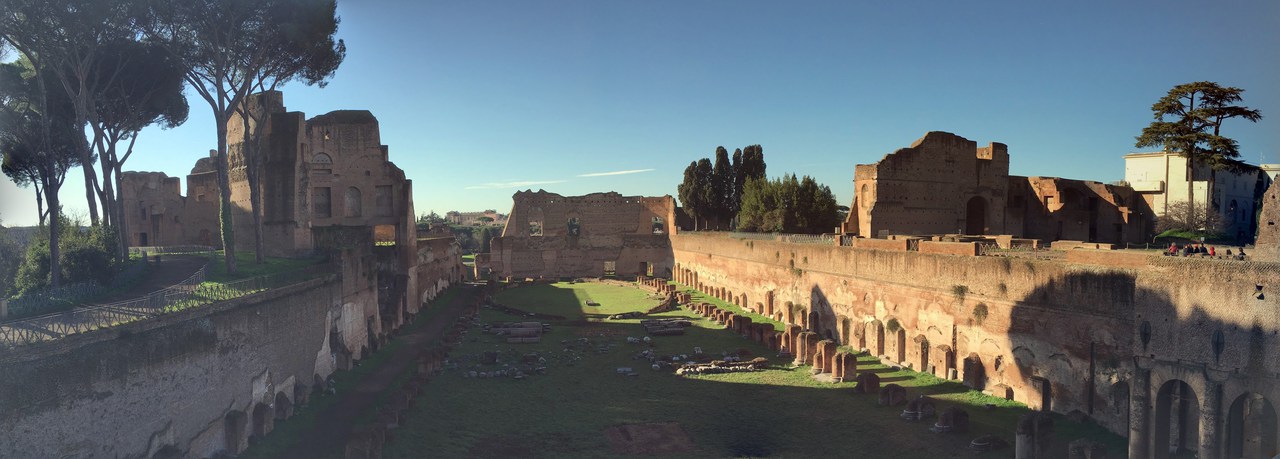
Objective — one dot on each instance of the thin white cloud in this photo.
(605, 174)
(516, 184)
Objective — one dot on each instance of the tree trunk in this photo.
(39, 202)
(251, 156)
(1191, 195)
(90, 185)
(224, 195)
(1208, 200)
(122, 229)
(55, 226)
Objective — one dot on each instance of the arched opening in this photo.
(573, 226)
(261, 420)
(1045, 388)
(233, 431)
(791, 315)
(1120, 402)
(846, 330)
(875, 334)
(353, 202)
(284, 408)
(975, 375)
(975, 216)
(1176, 421)
(948, 361)
(900, 348)
(924, 354)
(815, 322)
(1251, 428)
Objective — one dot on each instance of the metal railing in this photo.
(190, 293)
(991, 249)
(172, 249)
(829, 239)
(35, 303)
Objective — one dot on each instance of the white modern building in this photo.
(1161, 178)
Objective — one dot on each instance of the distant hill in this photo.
(22, 235)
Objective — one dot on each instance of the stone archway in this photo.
(975, 216)
(284, 407)
(875, 337)
(1251, 428)
(261, 420)
(924, 354)
(233, 431)
(900, 345)
(846, 331)
(1176, 424)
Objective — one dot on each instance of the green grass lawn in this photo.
(781, 412)
(246, 267)
(288, 432)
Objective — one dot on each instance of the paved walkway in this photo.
(171, 270)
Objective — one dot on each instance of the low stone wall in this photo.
(1072, 245)
(881, 244)
(197, 382)
(964, 249)
(1103, 333)
(1112, 258)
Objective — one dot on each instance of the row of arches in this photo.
(1184, 423)
(239, 427)
(871, 334)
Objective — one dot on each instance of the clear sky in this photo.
(480, 99)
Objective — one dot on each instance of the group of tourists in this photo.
(1189, 250)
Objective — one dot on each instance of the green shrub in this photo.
(88, 255)
(980, 313)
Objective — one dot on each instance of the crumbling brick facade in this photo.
(946, 184)
(553, 236)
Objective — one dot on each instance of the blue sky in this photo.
(478, 100)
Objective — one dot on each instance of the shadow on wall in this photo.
(822, 318)
(1180, 380)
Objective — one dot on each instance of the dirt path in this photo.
(171, 270)
(328, 438)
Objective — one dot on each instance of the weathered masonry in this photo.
(946, 184)
(1177, 354)
(553, 236)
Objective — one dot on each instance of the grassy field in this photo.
(288, 433)
(246, 267)
(781, 412)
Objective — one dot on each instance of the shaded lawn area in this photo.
(246, 267)
(781, 412)
(288, 433)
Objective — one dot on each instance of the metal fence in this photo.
(190, 293)
(173, 249)
(991, 249)
(829, 239)
(35, 303)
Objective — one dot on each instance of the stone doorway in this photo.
(976, 216)
(1251, 428)
(1176, 421)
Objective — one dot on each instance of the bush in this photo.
(88, 255)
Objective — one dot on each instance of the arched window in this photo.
(353, 202)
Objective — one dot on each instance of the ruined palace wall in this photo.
(439, 266)
(1072, 326)
(580, 234)
(127, 391)
(926, 188)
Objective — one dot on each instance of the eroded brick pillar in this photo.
(826, 354)
(1210, 422)
(1139, 414)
